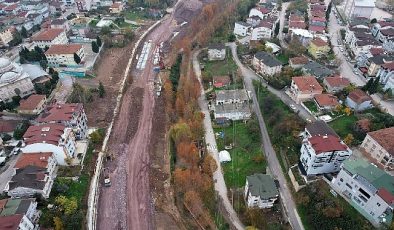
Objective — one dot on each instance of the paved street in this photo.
(220, 185)
(282, 19)
(273, 162)
(7, 171)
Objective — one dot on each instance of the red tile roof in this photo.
(337, 81)
(307, 84)
(376, 51)
(10, 222)
(359, 96)
(31, 102)
(7, 126)
(386, 196)
(64, 49)
(35, 159)
(317, 28)
(220, 81)
(319, 42)
(389, 66)
(47, 35)
(297, 25)
(60, 112)
(385, 138)
(327, 143)
(11, 7)
(116, 5)
(318, 19)
(326, 100)
(263, 10)
(296, 18)
(45, 133)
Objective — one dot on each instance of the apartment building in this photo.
(265, 64)
(63, 55)
(49, 37)
(304, 87)
(260, 191)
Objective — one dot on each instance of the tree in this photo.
(101, 90)
(67, 205)
(231, 37)
(20, 130)
(277, 27)
(209, 165)
(16, 40)
(98, 40)
(328, 12)
(77, 59)
(6, 137)
(24, 32)
(105, 30)
(373, 21)
(96, 137)
(58, 223)
(348, 139)
(95, 47)
(347, 111)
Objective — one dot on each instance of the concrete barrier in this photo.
(93, 190)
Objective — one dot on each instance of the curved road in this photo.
(220, 185)
(273, 163)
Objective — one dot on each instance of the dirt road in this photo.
(127, 204)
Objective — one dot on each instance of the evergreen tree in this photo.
(24, 32)
(368, 86)
(77, 59)
(98, 40)
(101, 90)
(95, 47)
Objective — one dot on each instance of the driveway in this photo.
(220, 185)
(7, 171)
(273, 163)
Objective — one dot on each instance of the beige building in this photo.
(116, 8)
(6, 35)
(50, 37)
(63, 55)
(304, 87)
(13, 81)
(380, 146)
(32, 105)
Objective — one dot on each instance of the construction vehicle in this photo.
(107, 179)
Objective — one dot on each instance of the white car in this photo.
(293, 107)
(341, 49)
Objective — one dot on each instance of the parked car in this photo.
(293, 107)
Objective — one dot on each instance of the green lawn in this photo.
(135, 15)
(344, 125)
(311, 105)
(220, 68)
(283, 58)
(243, 154)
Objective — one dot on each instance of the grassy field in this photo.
(283, 58)
(343, 125)
(220, 68)
(311, 105)
(244, 155)
(135, 15)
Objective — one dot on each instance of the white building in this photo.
(63, 55)
(260, 191)
(71, 115)
(380, 147)
(263, 31)
(6, 35)
(260, 12)
(55, 138)
(17, 221)
(49, 37)
(323, 154)
(266, 64)
(358, 8)
(231, 96)
(232, 105)
(84, 5)
(241, 28)
(13, 81)
(368, 189)
(386, 76)
(216, 52)
(34, 173)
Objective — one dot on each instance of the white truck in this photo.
(107, 179)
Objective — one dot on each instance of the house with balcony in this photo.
(260, 191)
(318, 48)
(316, 69)
(55, 138)
(33, 174)
(265, 64)
(27, 207)
(359, 100)
(326, 102)
(368, 189)
(216, 52)
(335, 84)
(16, 222)
(33, 105)
(70, 115)
(260, 11)
(241, 28)
(379, 145)
(264, 30)
(386, 76)
(232, 105)
(322, 154)
(304, 87)
(298, 62)
(374, 63)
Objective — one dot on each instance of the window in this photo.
(378, 204)
(349, 186)
(341, 180)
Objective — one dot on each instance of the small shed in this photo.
(224, 156)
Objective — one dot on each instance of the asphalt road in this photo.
(273, 163)
(282, 19)
(220, 185)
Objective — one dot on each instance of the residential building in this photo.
(360, 39)
(83, 5)
(261, 12)
(315, 69)
(359, 100)
(60, 24)
(221, 81)
(304, 87)
(374, 63)
(335, 84)
(318, 48)
(63, 55)
(260, 191)
(298, 62)
(49, 37)
(241, 28)
(304, 36)
(326, 102)
(368, 189)
(386, 76)
(116, 8)
(265, 64)
(380, 146)
(265, 29)
(6, 35)
(16, 222)
(358, 8)
(315, 30)
(71, 115)
(54, 138)
(385, 34)
(323, 154)
(27, 207)
(232, 105)
(13, 81)
(318, 128)
(216, 52)
(33, 105)
(296, 22)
